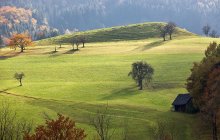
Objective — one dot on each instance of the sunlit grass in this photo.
(76, 84)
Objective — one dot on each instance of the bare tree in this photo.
(163, 32)
(10, 127)
(102, 123)
(170, 27)
(165, 130)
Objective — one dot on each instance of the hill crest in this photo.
(118, 33)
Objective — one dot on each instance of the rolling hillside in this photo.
(77, 84)
(120, 33)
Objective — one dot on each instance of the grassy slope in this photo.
(77, 84)
(120, 33)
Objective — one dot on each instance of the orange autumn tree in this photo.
(61, 129)
(20, 41)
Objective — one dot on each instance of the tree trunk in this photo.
(60, 45)
(170, 36)
(22, 48)
(214, 127)
(20, 82)
(140, 84)
(73, 46)
(164, 38)
(83, 44)
(77, 47)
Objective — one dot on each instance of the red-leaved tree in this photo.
(20, 41)
(61, 129)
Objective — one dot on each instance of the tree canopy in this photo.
(206, 29)
(20, 41)
(19, 77)
(82, 39)
(203, 85)
(141, 71)
(170, 27)
(163, 32)
(61, 129)
(197, 81)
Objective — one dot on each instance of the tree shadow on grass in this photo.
(51, 52)
(71, 51)
(122, 93)
(54, 54)
(163, 86)
(9, 55)
(153, 45)
(10, 88)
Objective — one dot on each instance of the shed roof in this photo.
(182, 99)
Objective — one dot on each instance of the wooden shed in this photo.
(183, 103)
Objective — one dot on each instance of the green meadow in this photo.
(77, 84)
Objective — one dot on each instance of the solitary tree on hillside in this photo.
(61, 129)
(206, 29)
(19, 77)
(141, 71)
(171, 27)
(213, 34)
(20, 41)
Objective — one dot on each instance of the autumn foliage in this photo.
(61, 129)
(18, 20)
(203, 85)
(20, 41)
(211, 99)
(196, 83)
